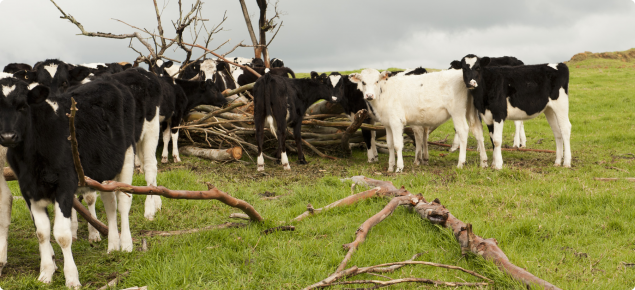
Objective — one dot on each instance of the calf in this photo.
(282, 102)
(352, 101)
(276, 62)
(520, 139)
(520, 93)
(247, 77)
(179, 97)
(35, 129)
(423, 102)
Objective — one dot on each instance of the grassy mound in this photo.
(617, 59)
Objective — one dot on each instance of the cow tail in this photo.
(268, 91)
(472, 116)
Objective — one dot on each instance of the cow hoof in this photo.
(46, 275)
(303, 162)
(399, 170)
(390, 169)
(176, 159)
(453, 149)
(484, 164)
(371, 160)
(556, 164)
(164, 160)
(73, 284)
(460, 165)
(94, 237)
(261, 168)
(149, 216)
(286, 166)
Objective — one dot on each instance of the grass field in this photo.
(559, 224)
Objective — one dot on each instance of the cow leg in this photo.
(74, 224)
(517, 125)
(166, 142)
(6, 201)
(477, 130)
(456, 142)
(561, 110)
(373, 142)
(557, 134)
(149, 147)
(297, 131)
(43, 232)
(260, 139)
(367, 135)
(64, 237)
(418, 132)
(91, 197)
(397, 136)
(424, 144)
(462, 129)
(137, 162)
(281, 131)
(175, 145)
(391, 149)
(125, 201)
(497, 137)
(110, 205)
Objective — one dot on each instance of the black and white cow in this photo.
(281, 102)
(520, 93)
(423, 102)
(520, 139)
(247, 77)
(276, 62)
(34, 126)
(352, 101)
(179, 97)
(16, 67)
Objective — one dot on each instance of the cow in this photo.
(276, 62)
(16, 67)
(179, 97)
(247, 77)
(520, 139)
(281, 102)
(34, 127)
(520, 93)
(424, 102)
(352, 101)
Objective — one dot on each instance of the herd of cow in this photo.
(123, 110)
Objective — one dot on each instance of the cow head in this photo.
(15, 109)
(455, 64)
(472, 67)
(368, 82)
(208, 69)
(210, 95)
(59, 76)
(336, 80)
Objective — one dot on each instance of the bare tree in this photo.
(264, 25)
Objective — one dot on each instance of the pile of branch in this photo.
(434, 212)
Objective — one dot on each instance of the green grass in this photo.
(543, 217)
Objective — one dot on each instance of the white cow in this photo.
(423, 102)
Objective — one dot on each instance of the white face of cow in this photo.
(335, 79)
(368, 82)
(51, 69)
(209, 67)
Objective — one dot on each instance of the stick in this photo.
(231, 154)
(280, 228)
(318, 152)
(73, 139)
(596, 178)
(215, 113)
(181, 232)
(211, 193)
(239, 90)
(114, 282)
(380, 284)
(357, 122)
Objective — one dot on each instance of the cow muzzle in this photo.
(8, 139)
(473, 84)
(334, 99)
(369, 97)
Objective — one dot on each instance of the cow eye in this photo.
(363, 83)
(22, 108)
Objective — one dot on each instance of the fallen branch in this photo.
(241, 216)
(98, 225)
(181, 232)
(280, 228)
(73, 139)
(114, 282)
(231, 154)
(380, 283)
(596, 178)
(239, 90)
(211, 193)
(216, 113)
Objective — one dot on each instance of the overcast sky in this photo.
(331, 35)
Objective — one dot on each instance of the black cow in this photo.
(276, 62)
(520, 93)
(16, 67)
(54, 74)
(179, 97)
(520, 139)
(352, 101)
(247, 77)
(282, 102)
(35, 129)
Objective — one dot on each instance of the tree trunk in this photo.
(230, 154)
(248, 22)
(262, 23)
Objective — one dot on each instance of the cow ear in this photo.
(37, 95)
(455, 64)
(168, 64)
(79, 73)
(314, 75)
(484, 61)
(355, 78)
(384, 75)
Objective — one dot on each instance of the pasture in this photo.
(559, 224)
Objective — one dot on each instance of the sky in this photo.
(331, 35)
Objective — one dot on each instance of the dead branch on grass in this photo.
(277, 229)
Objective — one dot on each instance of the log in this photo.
(235, 153)
(341, 125)
(357, 122)
(239, 90)
(324, 116)
(216, 113)
(325, 108)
